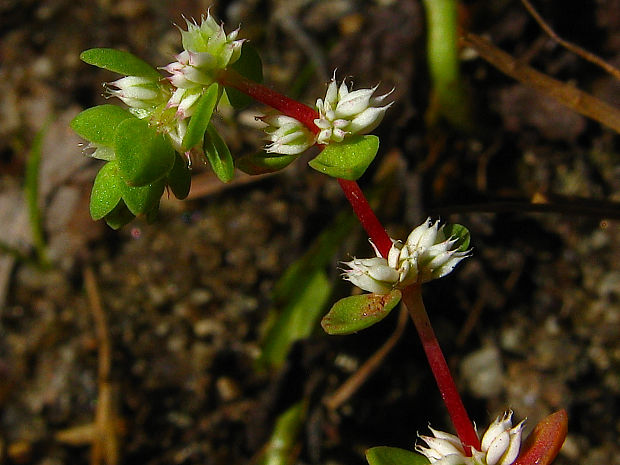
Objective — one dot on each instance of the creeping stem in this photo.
(412, 296)
(260, 93)
(366, 216)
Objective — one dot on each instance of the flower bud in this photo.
(207, 50)
(136, 91)
(288, 136)
(371, 274)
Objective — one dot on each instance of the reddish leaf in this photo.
(543, 445)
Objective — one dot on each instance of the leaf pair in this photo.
(118, 203)
(144, 162)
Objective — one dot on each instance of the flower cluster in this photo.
(207, 49)
(344, 112)
(500, 445)
(426, 255)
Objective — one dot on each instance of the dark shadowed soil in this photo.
(530, 322)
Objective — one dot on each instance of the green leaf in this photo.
(460, 232)
(384, 455)
(298, 318)
(263, 162)
(119, 217)
(143, 155)
(218, 154)
(347, 159)
(249, 65)
(98, 124)
(359, 312)
(180, 178)
(200, 119)
(119, 62)
(106, 192)
(143, 199)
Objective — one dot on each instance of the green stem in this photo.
(31, 189)
(451, 100)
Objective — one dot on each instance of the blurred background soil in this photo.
(530, 322)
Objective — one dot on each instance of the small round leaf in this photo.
(359, 312)
(106, 192)
(141, 200)
(143, 155)
(119, 217)
(98, 124)
(348, 159)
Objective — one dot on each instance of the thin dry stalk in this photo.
(105, 445)
(576, 49)
(357, 379)
(566, 94)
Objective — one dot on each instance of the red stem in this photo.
(264, 94)
(366, 216)
(412, 298)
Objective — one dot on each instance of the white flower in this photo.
(207, 50)
(287, 135)
(426, 255)
(371, 274)
(344, 112)
(500, 445)
(136, 92)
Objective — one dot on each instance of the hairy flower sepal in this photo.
(348, 159)
(358, 312)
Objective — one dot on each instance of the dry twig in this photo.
(566, 94)
(576, 49)
(357, 379)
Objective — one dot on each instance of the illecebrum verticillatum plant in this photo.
(146, 149)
